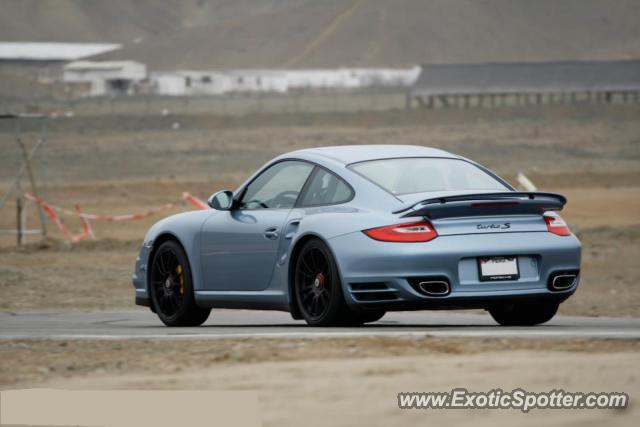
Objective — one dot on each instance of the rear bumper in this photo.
(378, 274)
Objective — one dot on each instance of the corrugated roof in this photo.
(29, 51)
(541, 77)
(100, 65)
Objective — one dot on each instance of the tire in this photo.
(171, 287)
(524, 314)
(317, 286)
(356, 319)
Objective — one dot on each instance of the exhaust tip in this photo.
(431, 286)
(563, 280)
(434, 287)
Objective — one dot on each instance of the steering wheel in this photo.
(285, 198)
(258, 202)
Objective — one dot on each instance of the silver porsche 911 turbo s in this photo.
(341, 235)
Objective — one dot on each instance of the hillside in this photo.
(200, 34)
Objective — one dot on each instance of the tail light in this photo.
(412, 232)
(555, 224)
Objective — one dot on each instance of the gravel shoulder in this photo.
(341, 382)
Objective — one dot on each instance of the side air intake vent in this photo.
(372, 292)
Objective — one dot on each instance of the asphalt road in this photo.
(242, 323)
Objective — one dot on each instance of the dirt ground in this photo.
(53, 275)
(342, 382)
(120, 164)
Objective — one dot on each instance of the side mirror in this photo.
(221, 201)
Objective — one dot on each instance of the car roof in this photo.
(347, 154)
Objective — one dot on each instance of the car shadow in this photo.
(368, 326)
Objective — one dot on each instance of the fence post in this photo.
(19, 225)
(32, 180)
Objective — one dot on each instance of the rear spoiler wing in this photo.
(485, 204)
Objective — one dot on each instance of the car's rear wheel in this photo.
(317, 286)
(524, 313)
(171, 287)
(356, 318)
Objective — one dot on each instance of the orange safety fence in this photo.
(53, 212)
(194, 201)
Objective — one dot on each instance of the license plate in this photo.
(498, 268)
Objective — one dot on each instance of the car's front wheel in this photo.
(171, 287)
(317, 286)
(524, 313)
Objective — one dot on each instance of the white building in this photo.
(106, 77)
(351, 78)
(45, 60)
(185, 83)
(257, 81)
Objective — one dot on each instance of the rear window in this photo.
(423, 175)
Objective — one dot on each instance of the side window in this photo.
(277, 187)
(325, 189)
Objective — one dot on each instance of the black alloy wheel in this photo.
(317, 286)
(171, 287)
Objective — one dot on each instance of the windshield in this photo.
(423, 175)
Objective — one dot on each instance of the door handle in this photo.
(271, 233)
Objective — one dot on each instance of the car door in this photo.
(239, 247)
